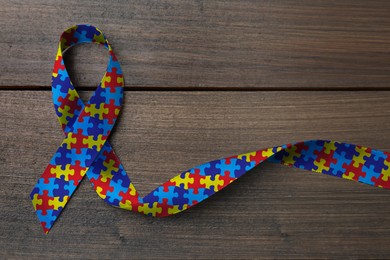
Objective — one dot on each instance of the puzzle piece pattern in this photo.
(81, 151)
(85, 151)
(332, 158)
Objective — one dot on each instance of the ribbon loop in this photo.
(86, 151)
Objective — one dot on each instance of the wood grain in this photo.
(273, 212)
(205, 44)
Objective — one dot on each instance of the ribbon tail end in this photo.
(47, 217)
(45, 230)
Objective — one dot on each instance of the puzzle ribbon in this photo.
(86, 151)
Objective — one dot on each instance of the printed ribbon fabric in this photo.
(86, 151)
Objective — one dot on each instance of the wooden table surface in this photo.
(204, 80)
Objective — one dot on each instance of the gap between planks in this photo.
(194, 88)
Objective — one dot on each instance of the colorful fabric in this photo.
(86, 151)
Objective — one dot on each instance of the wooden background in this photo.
(204, 80)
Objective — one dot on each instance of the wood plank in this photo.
(205, 44)
(273, 212)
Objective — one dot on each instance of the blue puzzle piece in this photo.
(346, 150)
(121, 175)
(337, 169)
(108, 95)
(63, 76)
(180, 200)
(92, 154)
(230, 168)
(165, 195)
(84, 125)
(83, 157)
(377, 160)
(49, 218)
(313, 146)
(192, 197)
(95, 169)
(70, 187)
(57, 95)
(42, 186)
(60, 158)
(82, 36)
(97, 97)
(370, 173)
(104, 126)
(303, 163)
(63, 188)
(96, 129)
(114, 65)
(244, 167)
(113, 197)
(202, 169)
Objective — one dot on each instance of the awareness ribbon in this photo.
(86, 151)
